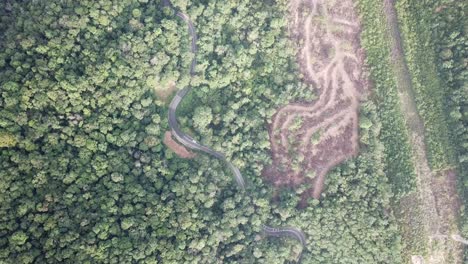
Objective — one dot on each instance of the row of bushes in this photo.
(430, 94)
(394, 135)
(444, 27)
(435, 50)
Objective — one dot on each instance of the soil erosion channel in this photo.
(309, 139)
(191, 143)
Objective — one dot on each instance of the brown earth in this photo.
(448, 204)
(178, 149)
(310, 139)
(164, 94)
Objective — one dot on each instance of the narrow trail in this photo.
(191, 143)
(413, 121)
(425, 197)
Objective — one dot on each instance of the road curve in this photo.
(191, 143)
(286, 231)
(183, 138)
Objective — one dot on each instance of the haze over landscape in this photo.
(236, 131)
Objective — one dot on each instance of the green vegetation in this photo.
(399, 165)
(450, 36)
(395, 134)
(344, 227)
(315, 139)
(86, 178)
(296, 124)
(435, 51)
(440, 77)
(7, 140)
(414, 22)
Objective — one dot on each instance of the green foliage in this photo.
(365, 123)
(202, 117)
(434, 37)
(296, 124)
(7, 140)
(439, 72)
(18, 238)
(398, 158)
(241, 78)
(315, 138)
(89, 180)
(448, 27)
(356, 199)
(414, 21)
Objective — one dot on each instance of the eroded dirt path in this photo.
(309, 139)
(435, 202)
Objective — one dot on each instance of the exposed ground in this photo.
(163, 93)
(309, 139)
(178, 149)
(428, 216)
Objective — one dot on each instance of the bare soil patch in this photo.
(178, 149)
(164, 94)
(448, 204)
(310, 139)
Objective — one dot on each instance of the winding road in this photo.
(191, 143)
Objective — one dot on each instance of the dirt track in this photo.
(309, 139)
(435, 203)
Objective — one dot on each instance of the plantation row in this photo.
(87, 179)
(434, 46)
(430, 94)
(435, 41)
(394, 135)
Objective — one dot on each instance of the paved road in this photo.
(191, 143)
(183, 138)
(286, 231)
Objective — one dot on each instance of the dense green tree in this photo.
(85, 177)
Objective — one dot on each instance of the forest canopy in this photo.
(85, 176)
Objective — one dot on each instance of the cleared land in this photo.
(309, 139)
(164, 93)
(178, 149)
